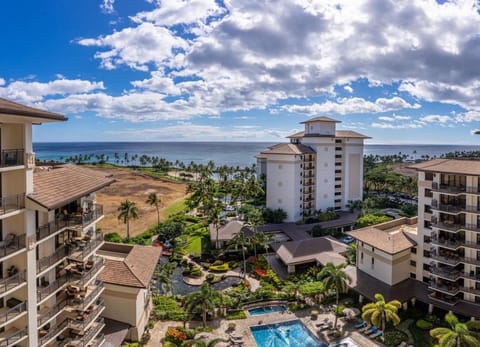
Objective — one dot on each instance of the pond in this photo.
(182, 288)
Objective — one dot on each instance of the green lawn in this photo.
(176, 207)
(198, 241)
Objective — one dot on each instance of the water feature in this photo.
(285, 334)
(266, 309)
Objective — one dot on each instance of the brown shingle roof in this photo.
(54, 187)
(321, 119)
(391, 237)
(289, 148)
(452, 166)
(321, 249)
(135, 270)
(13, 108)
(338, 133)
(228, 231)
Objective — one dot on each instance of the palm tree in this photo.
(215, 218)
(127, 211)
(201, 343)
(459, 334)
(335, 278)
(240, 240)
(378, 313)
(207, 299)
(154, 200)
(163, 276)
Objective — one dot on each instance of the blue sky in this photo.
(244, 70)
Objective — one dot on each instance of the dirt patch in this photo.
(403, 169)
(135, 186)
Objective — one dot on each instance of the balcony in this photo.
(450, 289)
(48, 261)
(309, 175)
(12, 336)
(83, 273)
(473, 209)
(449, 189)
(449, 208)
(13, 309)
(472, 275)
(82, 321)
(80, 301)
(47, 313)
(12, 203)
(12, 157)
(446, 243)
(447, 225)
(472, 227)
(471, 290)
(46, 336)
(83, 247)
(449, 274)
(73, 221)
(11, 282)
(449, 300)
(450, 260)
(82, 341)
(98, 341)
(307, 184)
(11, 244)
(43, 292)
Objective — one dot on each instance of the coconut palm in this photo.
(154, 200)
(201, 343)
(127, 210)
(240, 240)
(380, 312)
(206, 300)
(459, 334)
(335, 278)
(214, 218)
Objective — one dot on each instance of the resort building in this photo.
(227, 232)
(127, 276)
(320, 168)
(49, 295)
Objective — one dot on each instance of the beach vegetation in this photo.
(127, 211)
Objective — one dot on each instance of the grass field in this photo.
(176, 207)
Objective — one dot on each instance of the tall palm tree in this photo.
(214, 218)
(254, 218)
(207, 299)
(240, 240)
(335, 278)
(378, 313)
(201, 343)
(127, 211)
(154, 200)
(459, 334)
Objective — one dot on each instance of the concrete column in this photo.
(31, 278)
(414, 300)
(405, 305)
(360, 299)
(430, 308)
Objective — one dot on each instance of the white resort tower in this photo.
(320, 168)
(49, 294)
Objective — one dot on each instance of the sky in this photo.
(400, 71)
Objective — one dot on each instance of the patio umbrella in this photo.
(351, 312)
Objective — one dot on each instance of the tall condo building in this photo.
(49, 295)
(320, 168)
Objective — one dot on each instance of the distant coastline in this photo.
(222, 153)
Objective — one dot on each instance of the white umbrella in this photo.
(351, 312)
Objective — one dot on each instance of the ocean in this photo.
(222, 153)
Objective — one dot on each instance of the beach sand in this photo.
(135, 186)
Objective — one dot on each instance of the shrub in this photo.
(232, 264)
(166, 308)
(219, 268)
(371, 219)
(217, 262)
(236, 315)
(210, 277)
(175, 335)
(232, 326)
(113, 237)
(395, 337)
(196, 272)
(424, 325)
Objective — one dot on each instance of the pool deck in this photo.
(220, 327)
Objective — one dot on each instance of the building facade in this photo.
(320, 168)
(49, 295)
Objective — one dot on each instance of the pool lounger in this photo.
(360, 325)
(365, 328)
(371, 332)
(377, 334)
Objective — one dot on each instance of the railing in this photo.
(308, 199)
(9, 340)
(446, 243)
(473, 209)
(449, 301)
(309, 176)
(71, 221)
(472, 227)
(449, 274)
(13, 312)
(446, 260)
(42, 293)
(472, 261)
(447, 207)
(53, 332)
(81, 325)
(98, 341)
(306, 184)
(470, 290)
(42, 319)
(472, 275)
(11, 203)
(11, 157)
(443, 188)
(451, 290)
(451, 227)
(88, 299)
(80, 280)
(48, 261)
(12, 281)
(11, 244)
(473, 190)
(85, 250)
(84, 341)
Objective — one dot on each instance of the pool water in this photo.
(285, 334)
(266, 309)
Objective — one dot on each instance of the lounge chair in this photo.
(324, 327)
(371, 331)
(236, 337)
(360, 325)
(365, 328)
(375, 335)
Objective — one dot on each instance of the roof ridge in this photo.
(130, 266)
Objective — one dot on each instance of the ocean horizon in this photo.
(222, 153)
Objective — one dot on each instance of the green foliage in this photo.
(167, 308)
(219, 268)
(274, 216)
(329, 214)
(170, 229)
(394, 338)
(311, 288)
(409, 210)
(371, 219)
(420, 337)
(232, 315)
(113, 237)
(424, 325)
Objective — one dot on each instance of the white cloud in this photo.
(107, 6)
(434, 118)
(2, 81)
(393, 118)
(352, 105)
(388, 125)
(348, 89)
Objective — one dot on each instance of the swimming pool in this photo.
(266, 309)
(285, 334)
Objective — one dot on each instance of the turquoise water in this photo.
(285, 334)
(266, 309)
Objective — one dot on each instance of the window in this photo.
(426, 279)
(338, 200)
(426, 267)
(338, 148)
(428, 209)
(426, 254)
(338, 141)
(412, 275)
(413, 263)
(338, 186)
(338, 164)
(413, 250)
(338, 193)
(338, 156)
(426, 239)
(373, 263)
(427, 224)
(338, 171)
(338, 178)
(428, 176)
(428, 193)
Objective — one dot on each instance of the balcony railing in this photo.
(12, 203)
(87, 247)
(48, 261)
(71, 221)
(446, 242)
(11, 339)
(444, 259)
(43, 292)
(443, 188)
(82, 304)
(454, 227)
(11, 282)
(473, 209)
(471, 290)
(45, 317)
(81, 325)
(83, 278)
(472, 227)
(12, 157)
(447, 207)
(57, 330)
(306, 184)
(450, 289)
(447, 300)
(13, 312)
(445, 273)
(99, 340)
(11, 244)
(84, 341)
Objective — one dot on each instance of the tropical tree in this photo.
(253, 219)
(205, 300)
(335, 279)
(154, 200)
(352, 253)
(163, 276)
(214, 217)
(241, 241)
(459, 334)
(201, 343)
(380, 312)
(127, 210)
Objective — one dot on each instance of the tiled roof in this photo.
(289, 148)
(228, 231)
(391, 237)
(54, 187)
(13, 108)
(135, 270)
(321, 119)
(452, 166)
(338, 133)
(321, 249)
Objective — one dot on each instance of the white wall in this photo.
(321, 128)
(352, 170)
